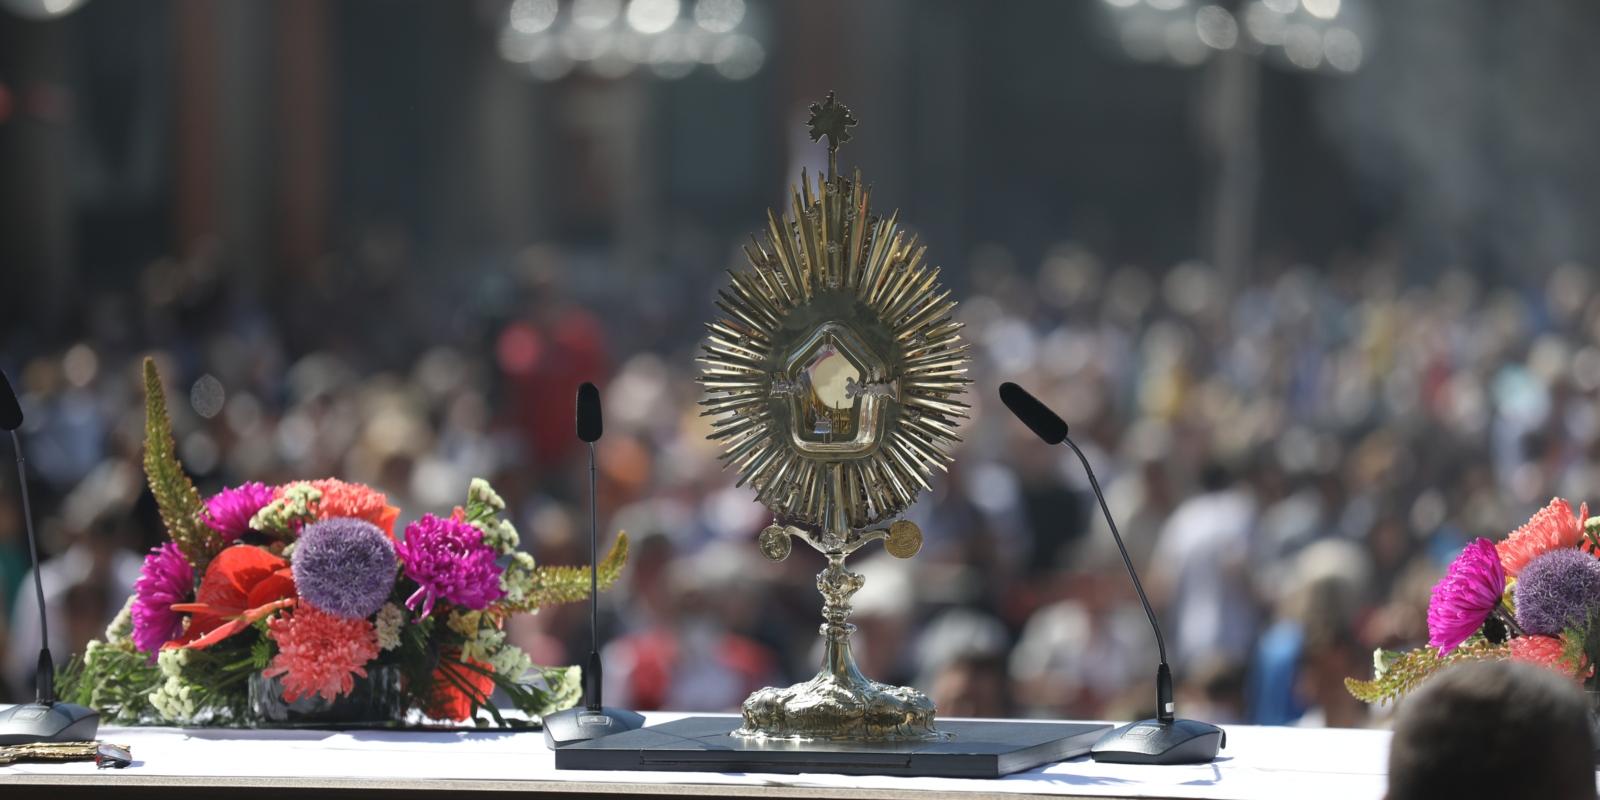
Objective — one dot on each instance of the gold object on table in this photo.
(834, 374)
(103, 755)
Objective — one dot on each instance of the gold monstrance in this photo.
(834, 376)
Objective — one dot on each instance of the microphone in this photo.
(43, 720)
(1165, 739)
(595, 719)
(10, 409)
(590, 425)
(1041, 420)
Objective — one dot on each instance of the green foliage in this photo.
(220, 675)
(555, 585)
(415, 657)
(1580, 650)
(175, 494)
(1397, 674)
(261, 652)
(115, 679)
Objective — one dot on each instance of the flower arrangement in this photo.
(1534, 597)
(308, 587)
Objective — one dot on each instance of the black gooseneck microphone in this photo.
(43, 720)
(1165, 739)
(590, 426)
(595, 719)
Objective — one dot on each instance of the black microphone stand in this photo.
(1165, 739)
(43, 720)
(595, 719)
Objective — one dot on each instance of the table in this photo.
(1259, 762)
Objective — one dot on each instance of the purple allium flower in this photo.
(1465, 597)
(344, 566)
(449, 561)
(165, 579)
(1558, 590)
(228, 512)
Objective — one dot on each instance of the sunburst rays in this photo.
(830, 249)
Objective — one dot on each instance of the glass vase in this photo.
(373, 701)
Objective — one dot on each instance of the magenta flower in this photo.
(449, 561)
(228, 512)
(165, 579)
(1466, 596)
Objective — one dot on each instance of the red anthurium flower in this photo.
(242, 585)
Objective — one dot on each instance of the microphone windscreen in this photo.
(10, 409)
(589, 426)
(1041, 420)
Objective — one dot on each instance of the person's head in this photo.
(1493, 730)
(973, 685)
(1215, 476)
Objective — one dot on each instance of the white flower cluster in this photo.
(295, 505)
(565, 685)
(484, 507)
(517, 578)
(174, 700)
(479, 491)
(121, 626)
(501, 535)
(511, 663)
(487, 644)
(388, 623)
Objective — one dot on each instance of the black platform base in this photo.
(703, 744)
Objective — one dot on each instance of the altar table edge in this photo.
(70, 786)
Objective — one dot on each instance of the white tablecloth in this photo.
(1265, 763)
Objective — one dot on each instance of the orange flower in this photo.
(448, 700)
(359, 501)
(243, 584)
(1553, 527)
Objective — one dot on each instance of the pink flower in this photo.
(165, 580)
(228, 512)
(1551, 528)
(1548, 652)
(449, 561)
(319, 653)
(1465, 597)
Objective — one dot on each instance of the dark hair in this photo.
(1493, 730)
(1215, 476)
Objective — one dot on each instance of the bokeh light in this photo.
(532, 16)
(718, 16)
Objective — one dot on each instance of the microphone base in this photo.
(1149, 741)
(32, 723)
(581, 724)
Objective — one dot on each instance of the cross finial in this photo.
(832, 119)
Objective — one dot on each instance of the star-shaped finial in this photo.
(832, 119)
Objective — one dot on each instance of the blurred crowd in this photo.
(1292, 457)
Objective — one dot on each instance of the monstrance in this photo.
(834, 374)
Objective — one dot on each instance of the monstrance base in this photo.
(830, 709)
(975, 749)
